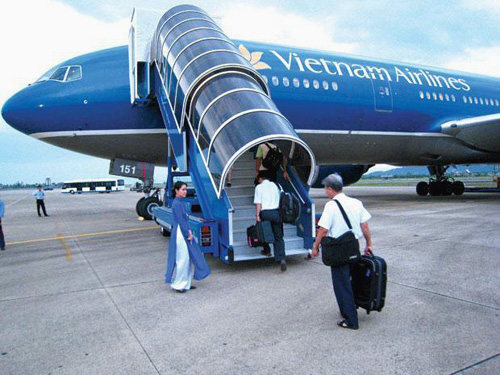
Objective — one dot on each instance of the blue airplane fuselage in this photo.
(350, 110)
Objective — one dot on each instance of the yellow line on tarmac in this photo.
(66, 247)
(80, 235)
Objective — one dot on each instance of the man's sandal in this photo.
(343, 324)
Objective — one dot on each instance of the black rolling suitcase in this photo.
(369, 280)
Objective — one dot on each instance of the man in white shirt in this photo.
(333, 224)
(40, 196)
(267, 201)
(2, 238)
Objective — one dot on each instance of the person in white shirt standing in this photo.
(267, 201)
(332, 224)
(2, 212)
(40, 196)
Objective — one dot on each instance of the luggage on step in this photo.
(259, 234)
(369, 280)
(253, 237)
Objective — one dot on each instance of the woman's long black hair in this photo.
(177, 186)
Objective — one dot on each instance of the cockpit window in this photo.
(59, 74)
(74, 74)
(62, 74)
(46, 75)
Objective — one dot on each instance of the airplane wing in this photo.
(481, 133)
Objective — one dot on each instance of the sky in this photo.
(38, 34)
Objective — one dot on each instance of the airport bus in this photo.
(98, 185)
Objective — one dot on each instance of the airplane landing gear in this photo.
(145, 205)
(441, 185)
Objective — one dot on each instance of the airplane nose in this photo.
(7, 110)
(16, 112)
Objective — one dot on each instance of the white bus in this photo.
(98, 185)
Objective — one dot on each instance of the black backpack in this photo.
(273, 159)
(289, 207)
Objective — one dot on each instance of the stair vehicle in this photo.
(216, 108)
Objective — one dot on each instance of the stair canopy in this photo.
(215, 93)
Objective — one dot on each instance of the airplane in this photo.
(353, 112)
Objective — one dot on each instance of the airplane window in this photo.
(428, 95)
(476, 101)
(325, 85)
(296, 82)
(316, 84)
(470, 99)
(306, 83)
(46, 75)
(465, 99)
(422, 95)
(452, 97)
(286, 82)
(497, 102)
(434, 96)
(387, 91)
(481, 100)
(74, 74)
(441, 96)
(486, 101)
(59, 74)
(447, 97)
(335, 86)
(275, 81)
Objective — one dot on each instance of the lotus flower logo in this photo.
(253, 58)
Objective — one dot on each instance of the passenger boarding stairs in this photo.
(217, 108)
(241, 194)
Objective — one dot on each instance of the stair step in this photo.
(246, 252)
(241, 234)
(291, 242)
(257, 255)
(247, 190)
(247, 156)
(240, 200)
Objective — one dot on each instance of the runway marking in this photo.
(80, 235)
(66, 247)
(476, 364)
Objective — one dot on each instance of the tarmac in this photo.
(83, 292)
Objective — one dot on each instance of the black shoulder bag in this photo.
(341, 250)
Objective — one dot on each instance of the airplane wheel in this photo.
(458, 188)
(164, 232)
(147, 205)
(434, 189)
(447, 188)
(138, 206)
(422, 188)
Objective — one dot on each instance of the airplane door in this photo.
(382, 94)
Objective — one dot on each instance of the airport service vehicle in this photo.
(183, 93)
(99, 185)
